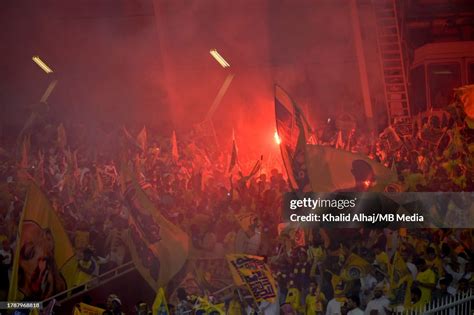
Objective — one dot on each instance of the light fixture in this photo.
(41, 64)
(219, 58)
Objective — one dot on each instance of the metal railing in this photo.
(458, 304)
(94, 282)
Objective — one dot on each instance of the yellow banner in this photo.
(44, 262)
(158, 248)
(254, 273)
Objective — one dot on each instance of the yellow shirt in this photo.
(429, 277)
(293, 298)
(234, 308)
(436, 265)
(314, 303)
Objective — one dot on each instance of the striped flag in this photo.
(233, 157)
(292, 129)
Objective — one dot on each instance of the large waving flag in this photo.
(330, 169)
(355, 267)
(292, 129)
(158, 248)
(233, 158)
(254, 273)
(44, 262)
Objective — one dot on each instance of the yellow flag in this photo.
(398, 270)
(330, 169)
(355, 267)
(158, 248)
(44, 262)
(253, 272)
(86, 309)
(338, 284)
(160, 307)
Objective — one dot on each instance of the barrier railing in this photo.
(91, 284)
(458, 304)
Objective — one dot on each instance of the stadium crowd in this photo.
(192, 186)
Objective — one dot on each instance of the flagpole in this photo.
(364, 81)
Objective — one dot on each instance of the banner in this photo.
(332, 170)
(158, 248)
(44, 262)
(254, 273)
(292, 129)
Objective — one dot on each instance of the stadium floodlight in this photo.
(42, 64)
(219, 58)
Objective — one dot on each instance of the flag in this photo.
(330, 169)
(62, 137)
(233, 157)
(86, 309)
(398, 270)
(205, 306)
(142, 139)
(44, 262)
(338, 284)
(130, 141)
(160, 307)
(401, 280)
(254, 273)
(255, 169)
(292, 129)
(339, 141)
(158, 248)
(174, 147)
(25, 149)
(355, 267)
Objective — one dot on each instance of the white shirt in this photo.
(269, 308)
(379, 305)
(356, 311)
(334, 307)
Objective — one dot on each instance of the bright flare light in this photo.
(41, 64)
(219, 58)
(277, 138)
